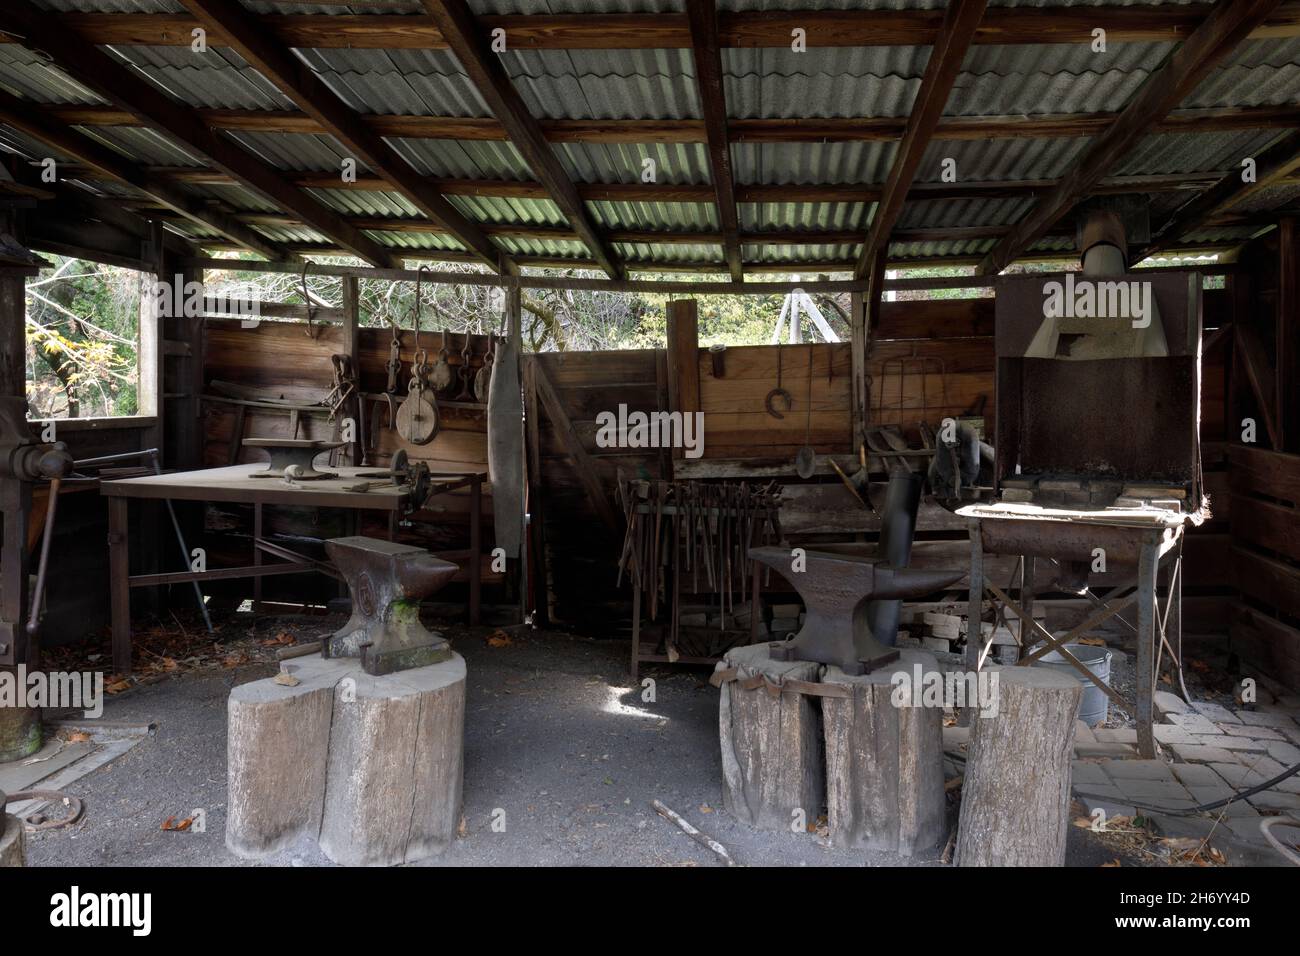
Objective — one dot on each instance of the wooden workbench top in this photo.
(236, 484)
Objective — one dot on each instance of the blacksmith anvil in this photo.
(836, 589)
(387, 582)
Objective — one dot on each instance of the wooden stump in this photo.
(884, 762)
(393, 786)
(370, 767)
(11, 841)
(1015, 804)
(771, 743)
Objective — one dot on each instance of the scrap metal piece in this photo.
(387, 581)
(836, 590)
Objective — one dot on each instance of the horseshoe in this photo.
(774, 394)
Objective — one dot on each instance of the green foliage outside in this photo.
(83, 322)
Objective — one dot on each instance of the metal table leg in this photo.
(1148, 569)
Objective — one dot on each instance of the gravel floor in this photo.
(554, 737)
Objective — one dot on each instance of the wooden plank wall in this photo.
(280, 360)
(1265, 526)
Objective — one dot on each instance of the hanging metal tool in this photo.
(313, 330)
(466, 374)
(778, 392)
(417, 416)
(442, 376)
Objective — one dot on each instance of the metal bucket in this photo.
(1094, 705)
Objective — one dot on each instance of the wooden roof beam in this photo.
(703, 18)
(464, 37)
(37, 124)
(961, 19)
(297, 81)
(874, 129)
(764, 29)
(1228, 24)
(1273, 166)
(127, 90)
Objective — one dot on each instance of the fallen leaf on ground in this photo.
(118, 686)
(286, 680)
(284, 637)
(172, 825)
(499, 639)
(79, 737)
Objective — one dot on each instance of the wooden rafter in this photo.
(297, 81)
(703, 18)
(875, 129)
(1275, 164)
(1228, 24)
(464, 37)
(756, 193)
(960, 21)
(126, 90)
(37, 124)
(766, 29)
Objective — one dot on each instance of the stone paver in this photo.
(1276, 800)
(1167, 703)
(1237, 808)
(1254, 733)
(1262, 718)
(1113, 806)
(1216, 713)
(1198, 775)
(1173, 734)
(1286, 754)
(1245, 745)
(1138, 770)
(1085, 772)
(1195, 723)
(1200, 753)
(1119, 735)
(1162, 793)
(1099, 749)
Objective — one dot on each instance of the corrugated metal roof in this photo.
(659, 84)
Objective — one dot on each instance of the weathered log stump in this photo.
(1015, 804)
(11, 841)
(370, 767)
(884, 762)
(771, 743)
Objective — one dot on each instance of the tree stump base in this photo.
(884, 762)
(772, 767)
(11, 841)
(1015, 804)
(370, 767)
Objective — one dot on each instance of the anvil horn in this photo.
(902, 583)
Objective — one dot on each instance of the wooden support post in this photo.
(860, 347)
(975, 608)
(352, 345)
(1015, 803)
(536, 496)
(683, 358)
(1287, 369)
(119, 570)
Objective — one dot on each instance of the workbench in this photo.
(235, 485)
(1139, 540)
